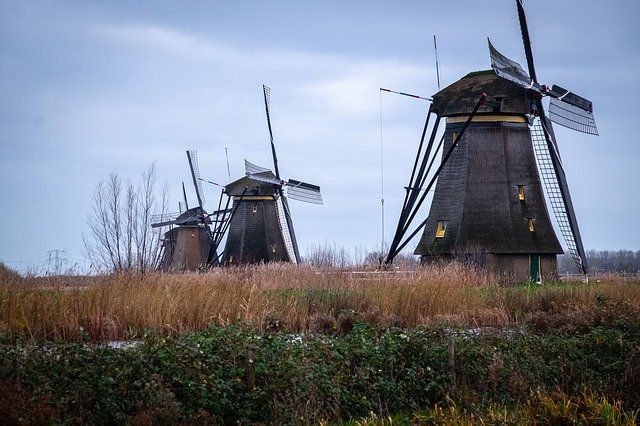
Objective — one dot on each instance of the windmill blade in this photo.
(565, 107)
(510, 70)
(524, 29)
(570, 110)
(557, 189)
(267, 98)
(572, 117)
(167, 219)
(571, 98)
(264, 177)
(164, 219)
(286, 228)
(165, 223)
(250, 168)
(219, 215)
(302, 191)
(556, 180)
(195, 174)
(184, 194)
(211, 182)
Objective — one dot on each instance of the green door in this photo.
(534, 267)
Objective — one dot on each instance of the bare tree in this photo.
(121, 237)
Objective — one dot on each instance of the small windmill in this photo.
(488, 201)
(260, 227)
(187, 245)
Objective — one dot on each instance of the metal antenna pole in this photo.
(435, 48)
(226, 153)
(381, 183)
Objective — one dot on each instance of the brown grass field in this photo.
(298, 299)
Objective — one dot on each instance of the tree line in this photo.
(623, 261)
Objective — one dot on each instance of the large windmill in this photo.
(260, 228)
(488, 201)
(189, 244)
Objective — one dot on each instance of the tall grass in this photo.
(297, 299)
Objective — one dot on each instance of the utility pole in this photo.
(58, 258)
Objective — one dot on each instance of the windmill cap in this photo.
(461, 97)
(254, 187)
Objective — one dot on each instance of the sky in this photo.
(88, 88)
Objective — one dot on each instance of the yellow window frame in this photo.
(521, 192)
(532, 227)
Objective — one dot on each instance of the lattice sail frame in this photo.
(572, 117)
(195, 170)
(554, 194)
(284, 229)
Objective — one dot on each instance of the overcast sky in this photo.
(93, 87)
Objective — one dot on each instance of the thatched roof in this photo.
(462, 96)
(254, 187)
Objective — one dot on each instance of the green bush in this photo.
(234, 374)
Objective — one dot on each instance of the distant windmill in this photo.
(188, 244)
(260, 228)
(488, 200)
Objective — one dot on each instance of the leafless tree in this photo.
(120, 234)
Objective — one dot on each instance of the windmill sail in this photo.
(251, 168)
(565, 107)
(267, 98)
(555, 183)
(265, 177)
(184, 194)
(305, 192)
(563, 207)
(163, 219)
(287, 236)
(195, 174)
(572, 117)
(508, 69)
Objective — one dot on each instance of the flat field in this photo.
(285, 344)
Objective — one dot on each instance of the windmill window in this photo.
(255, 208)
(532, 228)
(273, 248)
(454, 135)
(442, 229)
(521, 192)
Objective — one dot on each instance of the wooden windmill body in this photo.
(488, 205)
(187, 245)
(259, 230)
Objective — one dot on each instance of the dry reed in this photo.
(277, 296)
